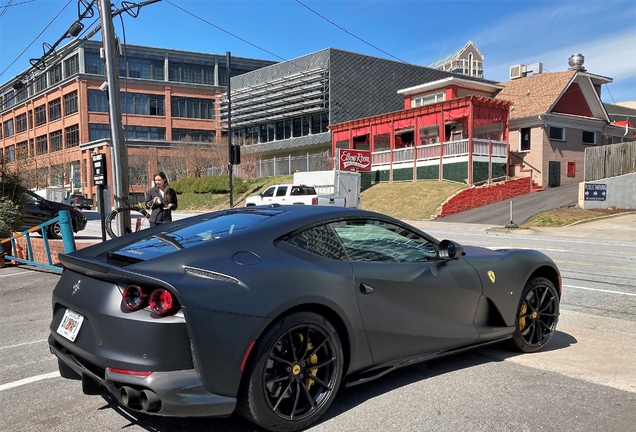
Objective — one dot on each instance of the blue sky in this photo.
(507, 32)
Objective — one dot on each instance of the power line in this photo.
(36, 38)
(225, 31)
(348, 32)
(8, 5)
(5, 9)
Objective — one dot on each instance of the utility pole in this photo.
(119, 152)
(228, 59)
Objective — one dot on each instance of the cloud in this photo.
(609, 57)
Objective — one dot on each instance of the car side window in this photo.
(320, 240)
(281, 191)
(269, 192)
(367, 240)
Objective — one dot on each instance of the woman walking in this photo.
(161, 200)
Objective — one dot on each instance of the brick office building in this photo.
(53, 119)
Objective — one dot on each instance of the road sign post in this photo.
(100, 179)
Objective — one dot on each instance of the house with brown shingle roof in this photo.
(554, 117)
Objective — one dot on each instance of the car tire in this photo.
(537, 315)
(293, 374)
(55, 230)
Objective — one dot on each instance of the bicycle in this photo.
(138, 213)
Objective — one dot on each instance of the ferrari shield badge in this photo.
(491, 275)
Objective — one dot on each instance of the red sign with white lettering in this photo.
(353, 160)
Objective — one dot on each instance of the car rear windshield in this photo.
(176, 237)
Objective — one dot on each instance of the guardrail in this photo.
(68, 240)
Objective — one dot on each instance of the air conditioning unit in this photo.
(517, 71)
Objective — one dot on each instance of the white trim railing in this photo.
(432, 151)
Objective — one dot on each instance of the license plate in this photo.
(70, 325)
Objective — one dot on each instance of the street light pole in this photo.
(119, 152)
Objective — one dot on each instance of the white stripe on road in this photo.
(14, 274)
(601, 290)
(22, 344)
(28, 380)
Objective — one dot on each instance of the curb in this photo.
(598, 218)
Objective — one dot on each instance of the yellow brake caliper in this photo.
(522, 312)
(312, 360)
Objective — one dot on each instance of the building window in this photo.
(56, 141)
(193, 135)
(319, 123)
(55, 74)
(21, 123)
(55, 109)
(9, 153)
(589, 137)
(40, 83)
(40, 115)
(144, 132)
(144, 104)
(571, 169)
(93, 64)
(557, 133)
(21, 150)
(71, 134)
(22, 94)
(524, 143)
(71, 66)
(427, 99)
(9, 99)
(70, 103)
(8, 128)
(41, 145)
(148, 69)
(192, 108)
(191, 73)
(97, 101)
(98, 131)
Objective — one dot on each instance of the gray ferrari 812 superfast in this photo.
(267, 311)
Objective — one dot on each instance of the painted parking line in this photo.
(14, 274)
(601, 290)
(23, 344)
(29, 380)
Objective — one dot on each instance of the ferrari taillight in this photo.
(163, 303)
(134, 298)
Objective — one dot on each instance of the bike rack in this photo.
(68, 239)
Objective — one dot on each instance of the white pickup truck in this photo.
(287, 194)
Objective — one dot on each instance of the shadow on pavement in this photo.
(347, 398)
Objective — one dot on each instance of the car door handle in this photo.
(366, 289)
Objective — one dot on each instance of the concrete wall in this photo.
(621, 193)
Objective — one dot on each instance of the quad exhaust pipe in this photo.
(129, 397)
(149, 401)
(146, 400)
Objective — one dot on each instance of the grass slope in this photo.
(404, 200)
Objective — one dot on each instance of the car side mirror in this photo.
(449, 250)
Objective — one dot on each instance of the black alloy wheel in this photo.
(296, 373)
(537, 315)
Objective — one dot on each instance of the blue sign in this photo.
(595, 192)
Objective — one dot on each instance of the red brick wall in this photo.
(480, 196)
(55, 246)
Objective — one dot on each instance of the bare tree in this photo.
(249, 161)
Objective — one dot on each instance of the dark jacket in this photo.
(158, 213)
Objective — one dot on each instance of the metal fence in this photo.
(287, 165)
(609, 161)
